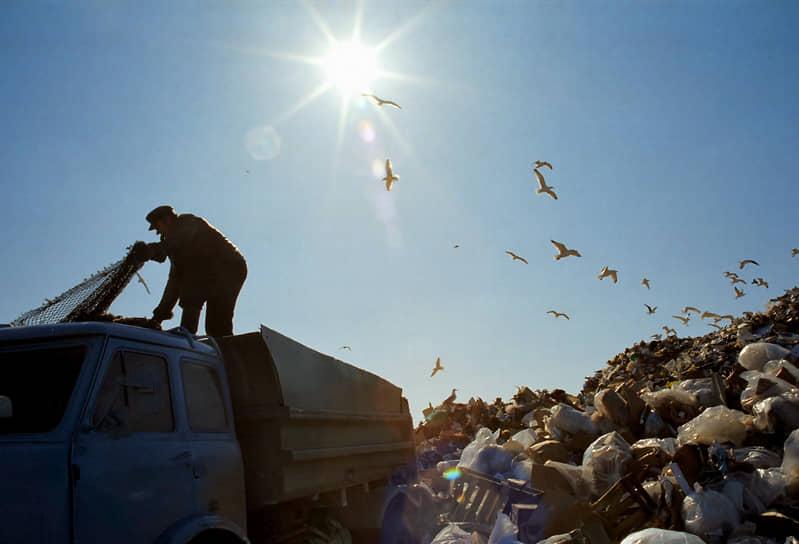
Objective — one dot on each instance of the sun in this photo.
(351, 67)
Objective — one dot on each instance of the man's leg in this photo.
(190, 318)
(222, 304)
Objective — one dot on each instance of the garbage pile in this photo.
(679, 440)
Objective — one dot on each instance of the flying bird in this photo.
(451, 398)
(794, 252)
(706, 315)
(542, 164)
(645, 283)
(345, 347)
(608, 273)
(761, 282)
(381, 102)
(682, 319)
(689, 309)
(543, 188)
(390, 177)
(715, 326)
(650, 310)
(737, 280)
(516, 257)
(140, 279)
(725, 316)
(656, 336)
(456, 246)
(438, 368)
(558, 314)
(730, 274)
(745, 262)
(738, 293)
(563, 251)
(668, 330)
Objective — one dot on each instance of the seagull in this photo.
(247, 172)
(456, 246)
(745, 262)
(668, 330)
(794, 252)
(608, 273)
(730, 274)
(689, 309)
(708, 314)
(390, 177)
(761, 282)
(738, 293)
(345, 347)
(144, 283)
(451, 398)
(437, 368)
(516, 257)
(645, 283)
(543, 188)
(558, 314)
(725, 316)
(381, 102)
(650, 310)
(542, 164)
(719, 327)
(563, 251)
(656, 336)
(683, 320)
(737, 280)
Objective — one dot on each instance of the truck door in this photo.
(219, 471)
(132, 470)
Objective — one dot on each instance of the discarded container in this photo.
(661, 536)
(716, 424)
(452, 534)
(755, 356)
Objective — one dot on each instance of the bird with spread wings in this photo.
(382, 102)
(438, 368)
(558, 314)
(517, 257)
(390, 176)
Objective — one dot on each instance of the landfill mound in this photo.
(89, 300)
(679, 440)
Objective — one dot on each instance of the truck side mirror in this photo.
(6, 408)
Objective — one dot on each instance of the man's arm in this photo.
(144, 252)
(170, 297)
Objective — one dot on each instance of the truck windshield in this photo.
(39, 382)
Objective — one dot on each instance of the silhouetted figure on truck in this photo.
(205, 267)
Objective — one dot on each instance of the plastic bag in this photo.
(755, 356)
(673, 405)
(605, 462)
(790, 458)
(565, 420)
(716, 424)
(483, 438)
(661, 536)
(526, 438)
(666, 445)
(782, 368)
(775, 413)
(504, 531)
(452, 534)
(768, 485)
(758, 457)
(654, 426)
(521, 469)
(612, 407)
(574, 475)
(702, 389)
(709, 514)
(761, 386)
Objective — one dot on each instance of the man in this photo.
(205, 267)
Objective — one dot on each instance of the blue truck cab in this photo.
(114, 433)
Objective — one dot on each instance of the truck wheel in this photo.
(398, 522)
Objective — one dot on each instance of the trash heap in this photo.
(680, 440)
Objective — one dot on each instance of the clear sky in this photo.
(673, 128)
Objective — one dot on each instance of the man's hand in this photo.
(140, 252)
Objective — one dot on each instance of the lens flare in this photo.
(452, 474)
(262, 143)
(367, 131)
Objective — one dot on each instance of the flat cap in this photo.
(159, 213)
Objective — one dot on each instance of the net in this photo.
(87, 301)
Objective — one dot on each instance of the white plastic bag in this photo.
(755, 356)
(526, 438)
(781, 412)
(774, 367)
(521, 469)
(605, 462)
(768, 485)
(504, 531)
(661, 536)
(575, 476)
(452, 534)
(565, 420)
(709, 514)
(761, 386)
(667, 445)
(666, 398)
(483, 438)
(716, 424)
(758, 457)
(702, 389)
(790, 458)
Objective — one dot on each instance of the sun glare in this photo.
(351, 67)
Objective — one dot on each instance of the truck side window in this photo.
(135, 396)
(205, 404)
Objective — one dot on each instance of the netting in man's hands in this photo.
(88, 300)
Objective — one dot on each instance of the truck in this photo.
(123, 434)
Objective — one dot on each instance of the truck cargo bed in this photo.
(309, 423)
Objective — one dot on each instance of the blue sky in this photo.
(673, 128)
